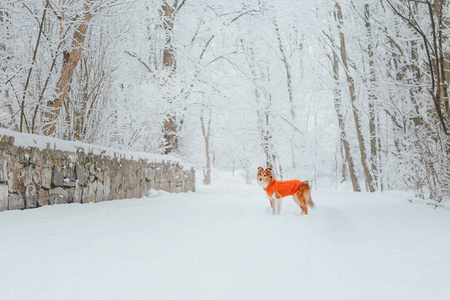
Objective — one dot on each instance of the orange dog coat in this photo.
(285, 188)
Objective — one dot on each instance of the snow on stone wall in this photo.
(35, 176)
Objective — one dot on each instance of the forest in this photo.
(340, 92)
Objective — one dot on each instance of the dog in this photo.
(277, 189)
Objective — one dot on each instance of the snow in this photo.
(43, 142)
(222, 242)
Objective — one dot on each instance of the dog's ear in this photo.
(269, 169)
(260, 169)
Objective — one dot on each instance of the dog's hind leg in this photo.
(307, 194)
(296, 201)
(299, 196)
(309, 201)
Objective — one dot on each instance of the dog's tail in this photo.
(307, 194)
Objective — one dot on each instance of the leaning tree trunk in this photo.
(70, 63)
(352, 91)
(341, 120)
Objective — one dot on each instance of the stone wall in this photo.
(32, 177)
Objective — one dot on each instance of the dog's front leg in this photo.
(272, 203)
(277, 203)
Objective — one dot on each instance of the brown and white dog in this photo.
(277, 189)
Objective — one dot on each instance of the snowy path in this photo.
(224, 244)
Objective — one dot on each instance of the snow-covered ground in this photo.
(223, 243)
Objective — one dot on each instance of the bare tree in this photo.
(71, 61)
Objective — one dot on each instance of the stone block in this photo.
(69, 184)
(79, 172)
(30, 175)
(20, 156)
(145, 173)
(3, 170)
(78, 193)
(68, 172)
(99, 194)
(119, 194)
(91, 168)
(92, 191)
(85, 195)
(35, 157)
(57, 191)
(16, 201)
(118, 178)
(30, 196)
(112, 194)
(133, 193)
(57, 178)
(107, 189)
(4, 139)
(144, 187)
(100, 175)
(140, 172)
(157, 185)
(3, 197)
(46, 178)
(43, 197)
(13, 149)
(57, 196)
(15, 182)
(58, 155)
(132, 181)
(70, 195)
(47, 161)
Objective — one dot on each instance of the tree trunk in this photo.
(441, 39)
(288, 72)
(22, 105)
(206, 131)
(289, 87)
(343, 153)
(341, 120)
(3, 48)
(69, 65)
(352, 91)
(170, 125)
(373, 116)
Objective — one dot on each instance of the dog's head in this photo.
(265, 177)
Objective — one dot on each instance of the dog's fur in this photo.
(302, 196)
